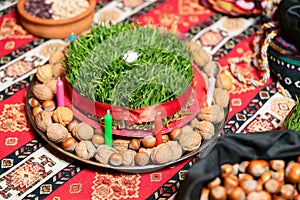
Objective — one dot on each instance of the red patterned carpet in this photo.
(31, 169)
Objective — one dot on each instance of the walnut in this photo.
(44, 73)
(161, 154)
(42, 92)
(221, 97)
(212, 69)
(57, 132)
(121, 144)
(62, 115)
(85, 149)
(206, 129)
(52, 85)
(43, 120)
(189, 139)
(128, 157)
(201, 57)
(176, 150)
(56, 57)
(83, 131)
(103, 153)
(58, 70)
(214, 113)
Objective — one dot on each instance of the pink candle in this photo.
(60, 93)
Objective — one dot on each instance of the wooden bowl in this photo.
(49, 28)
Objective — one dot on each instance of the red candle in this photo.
(60, 93)
(158, 129)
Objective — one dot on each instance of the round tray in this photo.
(63, 28)
(203, 150)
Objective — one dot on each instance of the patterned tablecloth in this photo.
(30, 170)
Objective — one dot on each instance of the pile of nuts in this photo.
(256, 180)
(55, 9)
(62, 127)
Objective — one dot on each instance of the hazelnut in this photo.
(287, 191)
(254, 195)
(42, 92)
(69, 144)
(149, 141)
(297, 197)
(116, 159)
(142, 158)
(226, 170)
(85, 149)
(277, 164)
(273, 186)
(257, 167)
(265, 177)
(48, 105)
(57, 132)
(134, 144)
(218, 193)
(62, 115)
(279, 174)
(33, 102)
(245, 176)
(230, 182)
(292, 172)
(98, 131)
(165, 138)
(43, 120)
(214, 183)
(36, 110)
(72, 124)
(248, 185)
(97, 140)
(237, 193)
(243, 166)
(204, 193)
(174, 135)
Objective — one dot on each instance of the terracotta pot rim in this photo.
(51, 22)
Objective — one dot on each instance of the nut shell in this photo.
(189, 139)
(62, 115)
(221, 97)
(42, 92)
(44, 73)
(103, 153)
(149, 141)
(56, 57)
(116, 159)
(43, 120)
(69, 144)
(57, 132)
(49, 105)
(52, 85)
(206, 129)
(83, 131)
(85, 149)
(142, 158)
(128, 157)
(161, 154)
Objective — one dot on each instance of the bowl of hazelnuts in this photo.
(56, 18)
(252, 166)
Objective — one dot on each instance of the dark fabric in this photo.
(288, 15)
(234, 148)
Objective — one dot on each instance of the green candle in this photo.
(108, 128)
